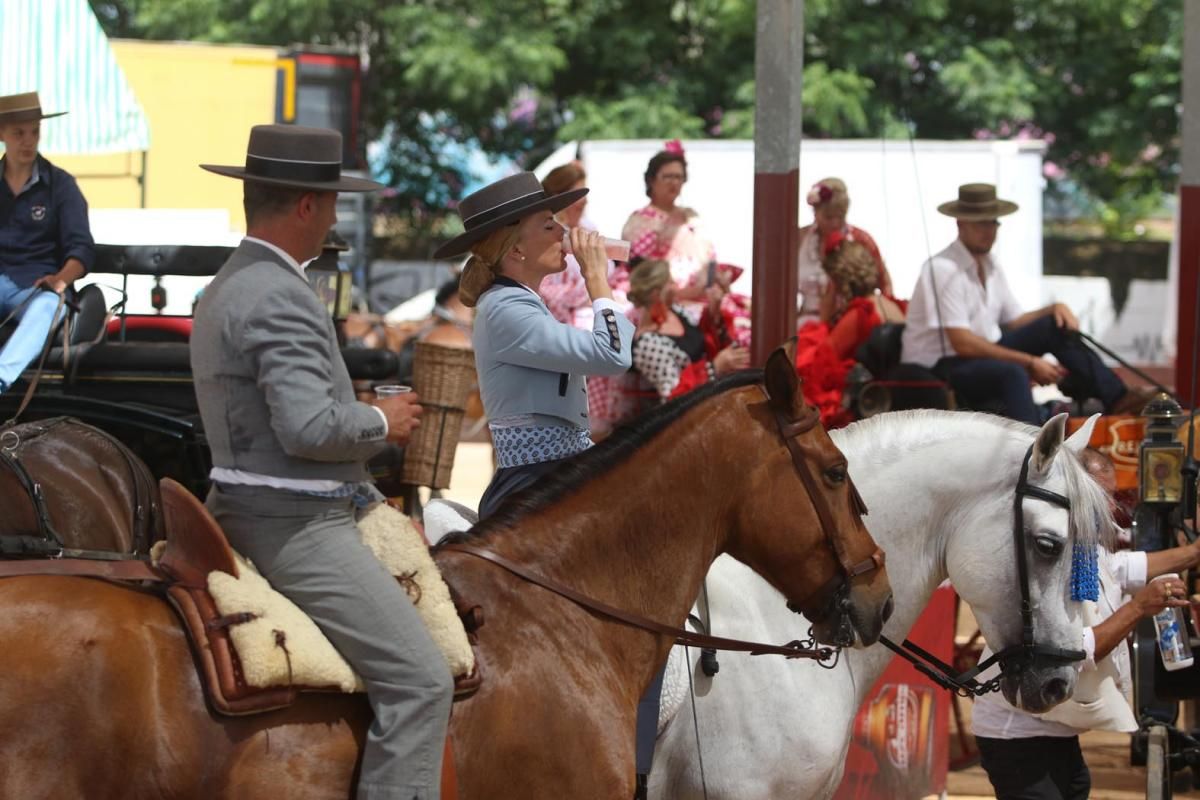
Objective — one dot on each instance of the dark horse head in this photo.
(75, 487)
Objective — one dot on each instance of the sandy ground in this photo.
(1107, 754)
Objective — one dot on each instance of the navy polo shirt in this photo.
(43, 225)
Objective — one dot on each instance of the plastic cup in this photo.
(615, 249)
(392, 389)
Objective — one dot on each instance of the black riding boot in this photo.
(640, 792)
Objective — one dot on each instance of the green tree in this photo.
(1098, 79)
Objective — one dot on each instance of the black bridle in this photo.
(1013, 659)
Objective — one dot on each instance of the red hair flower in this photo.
(819, 194)
(833, 241)
(674, 146)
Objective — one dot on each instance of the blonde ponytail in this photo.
(484, 264)
(476, 278)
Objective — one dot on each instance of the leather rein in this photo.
(808, 648)
(1014, 658)
(48, 542)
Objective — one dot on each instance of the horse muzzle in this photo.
(848, 617)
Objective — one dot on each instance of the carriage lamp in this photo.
(330, 278)
(1161, 458)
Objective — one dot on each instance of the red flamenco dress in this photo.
(825, 355)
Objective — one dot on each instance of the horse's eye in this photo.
(836, 474)
(1048, 546)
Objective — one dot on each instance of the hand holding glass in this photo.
(615, 249)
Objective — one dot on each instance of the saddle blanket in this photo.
(303, 656)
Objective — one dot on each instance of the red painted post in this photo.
(1189, 205)
(778, 70)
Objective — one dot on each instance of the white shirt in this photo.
(243, 478)
(962, 300)
(1121, 573)
(811, 278)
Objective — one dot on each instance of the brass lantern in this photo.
(330, 278)
(1161, 481)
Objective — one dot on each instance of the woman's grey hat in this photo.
(977, 203)
(502, 203)
(24, 107)
(298, 157)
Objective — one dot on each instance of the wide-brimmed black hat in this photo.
(977, 203)
(298, 157)
(503, 202)
(24, 107)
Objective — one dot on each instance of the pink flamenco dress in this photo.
(679, 240)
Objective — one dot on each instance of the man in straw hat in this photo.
(45, 242)
(965, 323)
(289, 447)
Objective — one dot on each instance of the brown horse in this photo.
(100, 696)
(117, 507)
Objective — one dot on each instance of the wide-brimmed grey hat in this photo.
(298, 157)
(502, 203)
(977, 203)
(24, 107)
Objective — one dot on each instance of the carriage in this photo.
(130, 374)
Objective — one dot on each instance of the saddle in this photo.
(197, 546)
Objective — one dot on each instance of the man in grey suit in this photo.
(290, 444)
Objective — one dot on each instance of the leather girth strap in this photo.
(682, 636)
(123, 570)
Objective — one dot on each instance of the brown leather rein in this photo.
(789, 430)
(795, 649)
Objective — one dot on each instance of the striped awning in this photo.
(57, 48)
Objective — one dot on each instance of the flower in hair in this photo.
(835, 240)
(674, 146)
(818, 194)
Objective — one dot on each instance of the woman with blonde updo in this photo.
(531, 366)
(830, 202)
(853, 307)
(673, 351)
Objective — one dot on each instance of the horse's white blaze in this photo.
(939, 487)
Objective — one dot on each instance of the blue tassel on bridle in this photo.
(1085, 573)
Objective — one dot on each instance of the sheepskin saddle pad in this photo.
(256, 648)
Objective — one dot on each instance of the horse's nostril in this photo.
(1055, 691)
(888, 607)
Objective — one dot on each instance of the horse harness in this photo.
(826, 656)
(48, 542)
(1014, 658)
(791, 431)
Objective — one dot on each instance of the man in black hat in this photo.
(965, 323)
(45, 241)
(290, 444)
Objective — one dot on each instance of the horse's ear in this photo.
(1049, 440)
(782, 382)
(1078, 441)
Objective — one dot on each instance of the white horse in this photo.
(940, 489)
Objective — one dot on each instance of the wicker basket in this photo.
(443, 377)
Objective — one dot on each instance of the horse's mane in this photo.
(882, 440)
(578, 470)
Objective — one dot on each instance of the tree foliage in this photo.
(1098, 79)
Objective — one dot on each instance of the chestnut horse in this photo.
(100, 696)
(117, 507)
